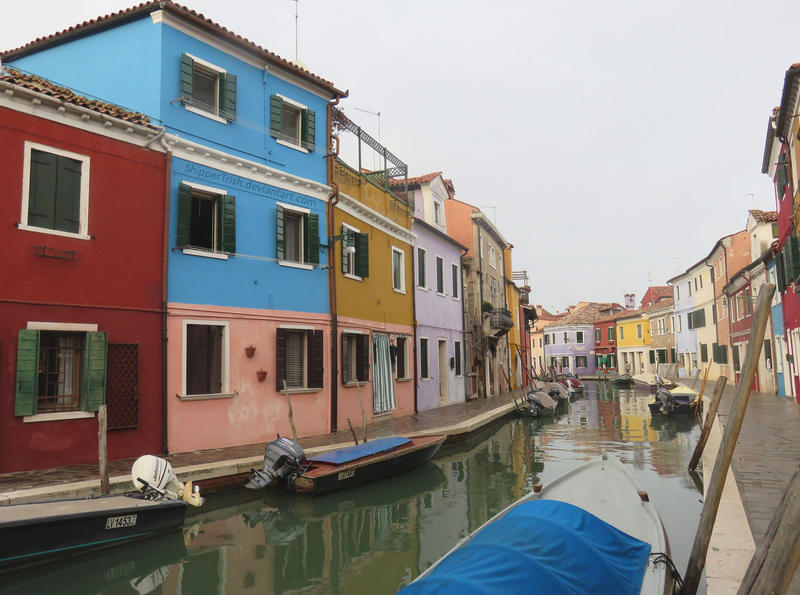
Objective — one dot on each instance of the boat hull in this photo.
(39, 531)
(323, 478)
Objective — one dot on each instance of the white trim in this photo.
(352, 331)
(401, 252)
(296, 265)
(207, 397)
(203, 188)
(293, 208)
(353, 277)
(226, 352)
(205, 113)
(353, 207)
(298, 327)
(350, 229)
(291, 145)
(62, 326)
(83, 210)
(205, 253)
(291, 101)
(54, 232)
(208, 65)
(59, 416)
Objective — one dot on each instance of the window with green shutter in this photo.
(60, 371)
(296, 235)
(703, 353)
(299, 359)
(205, 221)
(292, 123)
(207, 89)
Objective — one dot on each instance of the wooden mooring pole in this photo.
(291, 415)
(773, 565)
(697, 559)
(363, 414)
(719, 388)
(102, 431)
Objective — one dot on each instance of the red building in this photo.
(82, 254)
(605, 343)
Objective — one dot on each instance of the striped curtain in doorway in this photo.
(382, 385)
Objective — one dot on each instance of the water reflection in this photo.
(377, 538)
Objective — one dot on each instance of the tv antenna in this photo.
(378, 114)
(296, 28)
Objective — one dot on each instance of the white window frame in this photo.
(425, 286)
(218, 193)
(226, 360)
(299, 107)
(351, 259)
(437, 260)
(396, 250)
(83, 225)
(301, 264)
(204, 65)
(438, 212)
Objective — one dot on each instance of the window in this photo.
(422, 281)
(297, 235)
(689, 284)
(299, 358)
(677, 293)
(439, 275)
(60, 371)
(424, 372)
(597, 335)
(622, 333)
(402, 368)
(492, 256)
(565, 361)
(355, 358)
(774, 230)
(457, 353)
(611, 333)
(678, 323)
(580, 361)
(398, 270)
(546, 340)
(701, 280)
(695, 283)
(207, 89)
(206, 219)
(437, 213)
(703, 353)
(638, 331)
(651, 355)
(579, 337)
(696, 319)
(565, 337)
(206, 368)
(355, 262)
(735, 351)
(719, 353)
(55, 191)
(292, 123)
(768, 353)
(454, 271)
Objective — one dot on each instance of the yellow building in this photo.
(634, 343)
(370, 256)
(512, 304)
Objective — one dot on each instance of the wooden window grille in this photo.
(122, 393)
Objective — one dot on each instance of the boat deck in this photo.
(46, 510)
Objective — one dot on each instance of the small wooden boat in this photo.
(41, 530)
(285, 462)
(651, 382)
(537, 404)
(571, 382)
(593, 530)
(556, 390)
(678, 400)
(621, 380)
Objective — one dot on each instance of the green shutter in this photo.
(316, 360)
(279, 241)
(779, 272)
(68, 195)
(275, 116)
(794, 250)
(27, 372)
(362, 255)
(362, 358)
(652, 356)
(227, 96)
(311, 238)
(308, 134)
(93, 371)
(183, 235)
(42, 192)
(227, 223)
(187, 78)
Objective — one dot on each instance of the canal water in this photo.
(377, 538)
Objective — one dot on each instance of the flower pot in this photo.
(261, 374)
(249, 351)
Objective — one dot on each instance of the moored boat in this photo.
(285, 463)
(593, 530)
(571, 382)
(678, 400)
(621, 380)
(41, 530)
(651, 382)
(536, 404)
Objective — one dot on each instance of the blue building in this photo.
(779, 339)
(245, 258)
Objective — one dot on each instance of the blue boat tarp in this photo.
(351, 453)
(542, 546)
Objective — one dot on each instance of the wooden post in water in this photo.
(102, 430)
(696, 377)
(697, 559)
(291, 415)
(773, 565)
(710, 415)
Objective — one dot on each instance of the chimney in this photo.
(630, 301)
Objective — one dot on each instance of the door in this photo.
(444, 373)
(382, 383)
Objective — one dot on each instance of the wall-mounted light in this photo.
(348, 250)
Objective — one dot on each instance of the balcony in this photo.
(497, 322)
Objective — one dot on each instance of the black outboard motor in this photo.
(666, 402)
(282, 458)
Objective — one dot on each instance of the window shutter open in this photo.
(275, 116)
(652, 356)
(345, 358)
(182, 236)
(794, 252)
(311, 239)
(279, 241)
(316, 357)
(93, 372)
(348, 240)
(280, 358)
(27, 388)
(228, 223)
(308, 137)
(362, 255)
(187, 78)
(362, 359)
(227, 100)
(779, 272)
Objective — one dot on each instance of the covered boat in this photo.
(42, 530)
(593, 530)
(678, 400)
(286, 463)
(651, 382)
(571, 382)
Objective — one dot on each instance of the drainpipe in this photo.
(714, 300)
(332, 200)
(480, 311)
(465, 376)
(414, 265)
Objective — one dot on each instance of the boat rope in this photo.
(660, 557)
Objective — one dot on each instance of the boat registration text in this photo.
(347, 474)
(120, 522)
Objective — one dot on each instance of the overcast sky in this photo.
(611, 142)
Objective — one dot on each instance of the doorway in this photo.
(444, 373)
